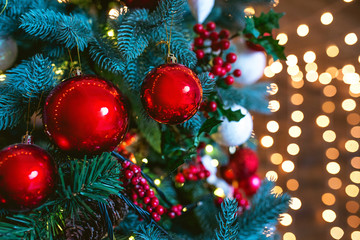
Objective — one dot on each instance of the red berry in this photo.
(157, 219)
(216, 70)
(199, 54)
(134, 196)
(218, 200)
(142, 181)
(224, 44)
(229, 80)
(129, 174)
(154, 202)
(237, 73)
(198, 42)
(172, 214)
(149, 209)
(201, 175)
(205, 34)
(160, 210)
(141, 205)
(135, 168)
(154, 215)
(266, 34)
(150, 193)
(210, 26)
(224, 34)
(146, 200)
(190, 176)
(223, 72)
(141, 193)
(207, 173)
(193, 169)
(218, 61)
(134, 180)
(215, 46)
(212, 106)
(125, 164)
(211, 75)
(136, 203)
(231, 58)
(198, 28)
(180, 178)
(146, 187)
(214, 36)
(227, 66)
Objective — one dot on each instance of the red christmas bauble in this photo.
(86, 115)
(149, 4)
(242, 164)
(27, 177)
(171, 93)
(251, 184)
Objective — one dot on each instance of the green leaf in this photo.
(209, 125)
(267, 21)
(230, 114)
(271, 47)
(250, 27)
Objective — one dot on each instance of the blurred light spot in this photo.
(292, 184)
(114, 13)
(285, 219)
(326, 18)
(249, 11)
(329, 91)
(209, 148)
(328, 199)
(298, 84)
(355, 162)
(335, 183)
(289, 236)
(297, 116)
(277, 190)
(347, 1)
(283, 38)
(351, 146)
(295, 203)
(145, 160)
(219, 192)
(351, 39)
(274, 105)
(355, 88)
(329, 215)
(353, 221)
(333, 71)
(267, 141)
(232, 150)
(348, 104)
(351, 78)
(328, 107)
(309, 56)
(352, 206)
(291, 60)
(273, 89)
(355, 235)
(303, 30)
(333, 167)
(322, 121)
(297, 99)
(329, 136)
(276, 67)
(272, 126)
(332, 51)
(336, 232)
(288, 166)
(294, 131)
(268, 73)
(311, 67)
(298, 77)
(293, 70)
(312, 76)
(355, 177)
(325, 78)
(111, 33)
(214, 162)
(355, 132)
(352, 190)
(271, 175)
(157, 182)
(353, 119)
(276, 158)
(293, 149)
(2, 77)
(332, 153)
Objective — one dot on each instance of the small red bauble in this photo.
(27, 177)
(149, 4)
(86, 115)
(251, 184)
(171, 93)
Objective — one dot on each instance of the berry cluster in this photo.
(208, 106)
(243, 203)
(218, 42)
(193, 172)
(141, 194)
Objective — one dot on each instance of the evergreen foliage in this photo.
(149, 233)
(228, 227)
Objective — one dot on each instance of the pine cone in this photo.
(93, 226)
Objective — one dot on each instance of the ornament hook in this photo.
(27, 139)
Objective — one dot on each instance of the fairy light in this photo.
(276, 158)
(291, 60)
(309, 57)
(219, 192)
(322, 121)
(294, 131)
(333, 168)
(348, 105)
(355, 162)
(215, 162)
(288, 166)
(271, 175)
(335, 183)
(111, 33)
(332, 51)
(297, 77)
(292, 184)
(289, 236)
(274, 105)
(337, 232)
(355, 132)
(351, 146)
(328, 199)
(276, 67)
(157, 182)
(295, 203)
(267, 141)
(332, 153)
(145, 160)
(333, 71)
(353, 119)
(297, 116)
(325, 78)
(249, 11)
(351, 78)
(355, 177)
(326, 18)
(283, 38)
(302, 30)
(273, 126)
(297, 99)
(311, 67)
(329, 91)
(350, 39)
(209, 148)
(293, 149)
(352, 190)
(329, 215)
(268, 72)
(285, 219)
(352, 206)
(312, 76)
(277, 190)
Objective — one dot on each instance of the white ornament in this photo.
(8, 52)
(234, 133)
(201, 9)
(251, 63)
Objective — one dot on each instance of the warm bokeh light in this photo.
(249, 11)
(333, 71)
(298, 84)
(329, 91)
(267, 141)
(355, 235)
(289, 236)
(277, 190)
(291, 60)
(285, 219)
(292, 184)
(348, 104)
(326, 18)
(355, 88)
(288, 166)
(328, 107)
(355, 177)
(335, 183)
(353, 221)
(328, 199)
(294, 131)
(351, 78)
(347, 1)
(274, 105)
(283, 38)
(351, 39)
(351, 146)
(297, 116)
(295, 203)
(352, 206)
(273, 89)
(209, 148)
(297, 99)
(276, 158)
(332, 153)
(332, 51)
(352, 190)
(355, 162)
(293, 149)
(336, 232)
(303, 30)
(271, 175)
(349, 68)
(309, 57)
(329, 136)
(322, 121)
(268, 73)
(272, 126)
(298, 77)
(325, 78)
(355, 132)
(312, 76)
(293, 70)
(311, 67)
(276, 67)
(333, 168)
(329, 215)
(353, 119)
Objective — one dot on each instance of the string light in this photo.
(322, 121)
(312, 76)
(351, 146)
(333, 168)
(328, 107)
(297, 116)
(293, 149)
(348, 105)
(328, 199)
(297, 99)
(333, 71)
(326, 18)
(355, 132)
(303, 30)
(355, 162)
(329, 91)
(294, 131)
(289, 236)
(272, 126)
(336, 232)
(329, 215)
(276, 158)
(288, 166)
(351, 39)
(332, 51)
(353, 119)
(271, 175)
(274, 105)
(311, 67)
(355, 177)
(335, 183)
(295, 203)
(283, 38)
(332, 153)
(292, 184)
(352, 190)
(325, 78)
(352, 206)
(309, 57)
(285, 219)
(267, 141)
(291, 60)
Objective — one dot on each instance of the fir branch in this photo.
(18, 227)
(193, 125)
(251, 97)
(208, 83)
(131, 76)
(70, 31)
(8, 25)
(265, 209)
(168, 12)
(228, 227)
(149, 233)
(12, 109)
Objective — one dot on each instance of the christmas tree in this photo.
(162, 148)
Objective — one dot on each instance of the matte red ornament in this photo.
(149, 4)
(27, 177)
(86, 115)
(242, 164)
(171, 93)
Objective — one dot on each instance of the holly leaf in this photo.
(266, 22)
(271, 47)
(250, 27)
(209, 125)
(231, 115)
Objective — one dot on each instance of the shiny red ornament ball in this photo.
(251, 184)
(148, 4)
(27, 177)
(86, 115)
(242, 164)
(171, 93)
